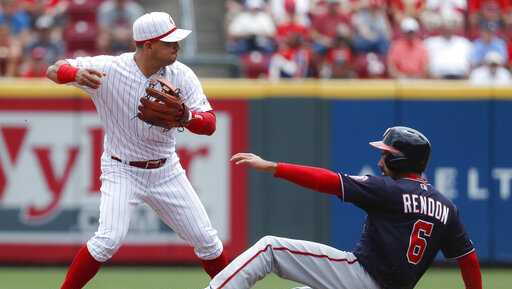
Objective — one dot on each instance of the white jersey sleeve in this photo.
(192, 92)
(99, 63)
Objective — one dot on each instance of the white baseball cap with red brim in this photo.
(157, 26)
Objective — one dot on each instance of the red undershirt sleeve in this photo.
(317, 179)
(470, 271)
(202, 123)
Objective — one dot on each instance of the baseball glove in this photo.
(163, 107)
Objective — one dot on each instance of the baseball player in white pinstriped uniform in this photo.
(139, 163)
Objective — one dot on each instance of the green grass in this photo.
(194, 278)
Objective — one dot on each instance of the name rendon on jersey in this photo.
(424, 205)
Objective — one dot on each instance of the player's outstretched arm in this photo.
(255, 162)
(470, 271)
(317, 179)
(62, 72)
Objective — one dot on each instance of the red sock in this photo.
(81, 270)
(212, 267)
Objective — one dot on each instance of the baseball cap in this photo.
(409, 24)
(493, 57)
(44, 22)
(254, 4)
(157, 26)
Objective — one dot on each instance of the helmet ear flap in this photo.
(389, 162)
(395, 162)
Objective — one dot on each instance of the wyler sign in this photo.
(50, 183)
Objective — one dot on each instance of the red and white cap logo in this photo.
(157, 26)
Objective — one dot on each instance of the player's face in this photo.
(166, 52)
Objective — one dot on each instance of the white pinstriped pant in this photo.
(167, 191)
(315, 265)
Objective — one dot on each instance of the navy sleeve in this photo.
(456, 242)
(363, 191)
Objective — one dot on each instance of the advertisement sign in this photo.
(50, 188)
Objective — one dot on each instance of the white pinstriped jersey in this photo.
(117, 99)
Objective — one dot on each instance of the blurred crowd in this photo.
(36, 33)
(436, 39)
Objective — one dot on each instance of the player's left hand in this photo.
(254, 161)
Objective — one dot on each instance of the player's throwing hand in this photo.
(254, 161)
(89, 77)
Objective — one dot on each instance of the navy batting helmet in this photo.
(409, 149)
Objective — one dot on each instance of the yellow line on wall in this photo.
(442, 90)
(37, 88)
(502, 93)
(260, 89)
(256, 89)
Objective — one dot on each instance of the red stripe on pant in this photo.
(284, 249)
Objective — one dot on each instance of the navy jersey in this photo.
(408, 222)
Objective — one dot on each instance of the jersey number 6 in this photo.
(417, 241)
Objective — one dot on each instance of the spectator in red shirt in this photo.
(326, 24)
(291, 26)
(293, 59)
(338, 60)
(407, 56)
(485, 12)
(476, 5)
(507, 35)
(280, 10)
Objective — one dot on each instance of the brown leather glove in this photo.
(163, 107)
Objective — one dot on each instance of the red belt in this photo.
(152, 164)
